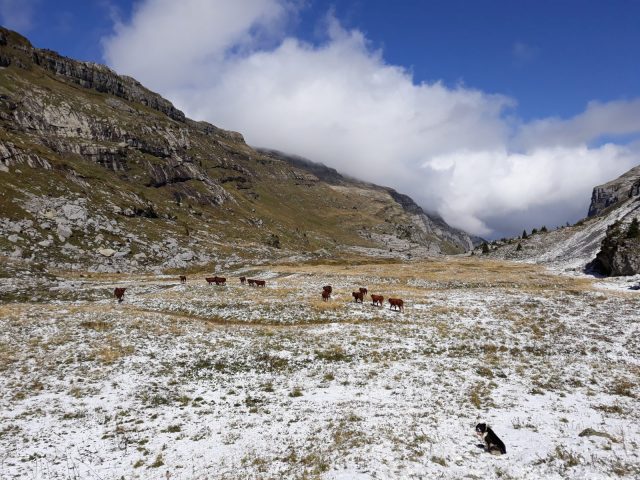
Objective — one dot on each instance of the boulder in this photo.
(106, 252)
(64, 232)
(619, 253)
(74, 212)
(185, 256)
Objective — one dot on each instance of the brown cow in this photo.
(210, 280)
(358, 296)
(260, 283)
(327, 288)
(119, 293)
(220, 280)
(243, 279)
(397, 303)
(183, 279)
(325, 295)
(364, 291)
(377, 299)
(251, 282)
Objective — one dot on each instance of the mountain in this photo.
(602, 234)
(424, 228)
(97, 172)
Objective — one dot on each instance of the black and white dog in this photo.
(491, 440)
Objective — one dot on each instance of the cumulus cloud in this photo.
(17, 14)
(599, 120)
(169, 43)
(549, 185)
(458, 151)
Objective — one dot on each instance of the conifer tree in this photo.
(634, 229)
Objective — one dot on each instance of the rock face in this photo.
(615, 191)
(619, 252)
(99, 173)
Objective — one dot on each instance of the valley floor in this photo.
(232, 382)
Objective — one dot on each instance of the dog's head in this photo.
(481, 428)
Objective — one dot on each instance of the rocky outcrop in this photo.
(18, 50)
(620, 251)
(615, 191)
(11, 155)
(431, 224)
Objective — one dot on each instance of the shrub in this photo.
(296, 392)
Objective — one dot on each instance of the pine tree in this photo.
(543, 229)
(634, 229)
(524, 234)
(519, 247)
(485, 248)
(534, 231)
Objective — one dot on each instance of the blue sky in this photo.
(498, 115)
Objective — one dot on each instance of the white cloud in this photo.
(453, 149)
(599, 119)
(510, 191)
(17, 14)
(169, 43)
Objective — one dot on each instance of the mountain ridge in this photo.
(100, 172)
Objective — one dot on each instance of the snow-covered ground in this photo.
(232, 382)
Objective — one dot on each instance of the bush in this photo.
(519, 247)
(524, 234)
(634, 229)
(485, 248)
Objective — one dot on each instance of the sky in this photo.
(497, 115)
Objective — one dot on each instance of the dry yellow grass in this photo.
(329, 306)
(450, 269)
(112, 351)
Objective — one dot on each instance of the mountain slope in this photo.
(425, 228)
(574, 247)
(97, 171)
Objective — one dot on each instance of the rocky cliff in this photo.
(614, 192)
(97, 172)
